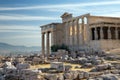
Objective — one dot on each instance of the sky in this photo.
(20, 20)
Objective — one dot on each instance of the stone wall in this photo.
(105, 44)
(59, 34)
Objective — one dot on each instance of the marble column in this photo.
(53, 38)
(83, 30)
(101, 33)
(73, 35)
(96, 34)
(71, 32)
(48, 45)
(78, 29)
(43, 44)
(116, 33)
(68, 33)
(109, 33)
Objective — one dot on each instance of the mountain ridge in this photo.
(8, 48)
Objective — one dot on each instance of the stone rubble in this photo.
(100, 70)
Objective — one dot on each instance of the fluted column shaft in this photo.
(73, 34)
(78, 29)
(48, 45)
(83, 30)
(66, 30)
(68, 25)
(70, 33)
(43, 44)
(52, 38)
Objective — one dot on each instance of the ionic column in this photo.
(66, 31)
(95, 33)
(83, 30)
(43, 44)
(48, 45)
(68, 36)
(70, 33)
(73, 35)
(101, 32)
(77, 22)
(68, 28)
(109, 33)
(53, 38)
(116, 33)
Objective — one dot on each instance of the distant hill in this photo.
(8, 48)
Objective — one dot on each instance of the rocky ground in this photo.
(67, 66)
(97, 66)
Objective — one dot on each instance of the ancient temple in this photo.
(83, 32)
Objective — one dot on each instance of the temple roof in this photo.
(49, 24)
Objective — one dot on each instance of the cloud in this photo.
(23, 39)
(17, 34)
(23, 36)
(24, 27)
(26, 17)
(62, 6)
(19, 28)
(112, 14)
(26, 36)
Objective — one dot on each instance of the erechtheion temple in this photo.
(83, 32)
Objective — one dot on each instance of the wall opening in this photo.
(118, 33)
(80, 21)
(85, 20)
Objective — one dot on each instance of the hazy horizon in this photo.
(18, 45)
(20, 20)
